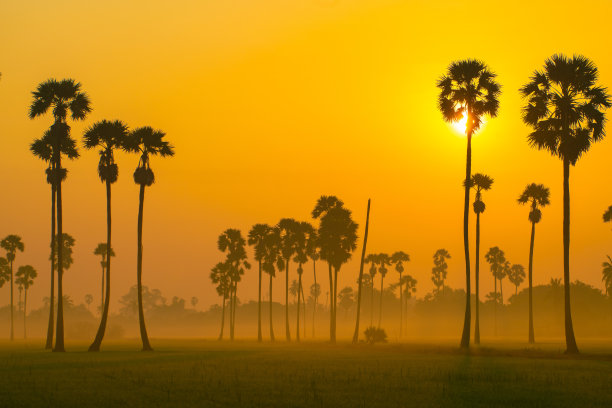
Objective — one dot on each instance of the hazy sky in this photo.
(272, 103)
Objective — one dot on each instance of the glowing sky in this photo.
(272, 103)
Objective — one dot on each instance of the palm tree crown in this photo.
(480, 182)
(107, 136)
(537, 195)
(61, 97)
(147, 142)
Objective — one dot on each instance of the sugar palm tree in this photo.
(102, 251)
(537, 195)
(398, 259)
(272, 261)
(384, 260)
(607, 275)
(468, 90)
(257, 237)
(303, 232)
(409, 289)
(360, 280)
(61, 97)
(565, 107)
(372, 260)
(106, 136)
(479, 182)
(145, 142)
(25, 277)
(439, 271)
(219, 276)
(496, 259)
(516, 276)
(11, 244)
(288, 230)
(312, 249)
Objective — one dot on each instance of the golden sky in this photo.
(272, 103)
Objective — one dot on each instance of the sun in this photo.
(460, 125)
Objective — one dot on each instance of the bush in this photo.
(375, 335)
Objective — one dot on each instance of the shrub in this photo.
(375, 335)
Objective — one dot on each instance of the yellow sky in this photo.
(272, 103)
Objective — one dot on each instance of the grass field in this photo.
(190, 373)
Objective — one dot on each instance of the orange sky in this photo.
(272, 103)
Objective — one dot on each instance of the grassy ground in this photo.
(185, 373)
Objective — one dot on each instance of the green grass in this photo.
(186, 373)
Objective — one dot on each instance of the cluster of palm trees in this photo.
(565, 109)
(65, 99)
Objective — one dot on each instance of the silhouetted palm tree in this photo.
(468, 89)
(496, 259)
(303, 232)
(479, 182)
(372, 260)
(607, 216)
(384, 260)
(516, 276)
(398, 259)
(25, 278)
(312, 249)
(439, 271)
(88, 300)
(607, 275)
(101, 250)
(219, 276)
(61, 97)
(107, 136)
(11, 244)
(257, 237)
(145, 142)
(409, 289)
(288, 230)
(565, 108)
(272, 261)
(360, 279)
(538, 196)
(5, 271)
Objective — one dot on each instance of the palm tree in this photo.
(479, 182)
(67, 242)
(101, 250)
(5, 271)
(384, 260)
(516, 276)
(312, 249)
(11, 244)
(272, 261)
(288, 230)
(107, 136)
(409, 285)
(439, 271)
(607, 275)
(303, 233)
(398, 259)
(538, 196)
(496, 259)
(88, 300)
(338, 239)
(372, 260)
(607, 216)
(61, 97)
(219, 276)
(468, 89)
(257, 236)
(360, 280)
(565, 108)
(25, 278)
(146, 142)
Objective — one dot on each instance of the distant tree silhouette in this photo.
(479, 182)
(88, 300)
(468, 89)
(303, 233)
(384, 260)
(272, 261)
(219, 276)
(607, 275)
(360, 279)
(61, 97)
(5, 271)
(146, 142)
(516, 276)
(537, 195)
(312, 249)
(288, 230)
(372, 260)
(607, 215)
(101, 250)
(194, 301)
(439, 271)
(398, 259)
(106, 136)
(346, 299)
(496, 259)
(67, 243)
(409, 289)
(25, 278)
(11, 244)
(257, 236)
(565, 107)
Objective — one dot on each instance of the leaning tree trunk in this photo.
(146, 346)
(297, 333)
(287, 332)
(570, 340)
(59, 329)
(380, 306)
(223, 315)
(465, 337)
(259, 336)
(477, 278)
(49, 343)
(360, 285)
(271, 327)
(95, 346)
(531, 331)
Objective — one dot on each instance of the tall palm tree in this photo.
(257, 237)
(219, 276)
(496, 259)
(312, 249)
(146, 142)
(25, 277)
(468, 89)
(537, 195)
(288, 230)
(106, 136)
(372, 260)
(384, 260)
(516, 276)
(303, 232)
(479, 182)
(61, 97)
(607, 275)
(439, 271)
(565, 107)
(272, 261)
(102, 251)
(398, 259)
(360, 280)
(11, 244)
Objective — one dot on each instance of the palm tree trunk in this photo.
(382, 279)
(223, 316)
(12, 327)
(495, 307)
(59, 329)
(303, 306)
(331, 304)
(287, 332)
(146, 346)
(25, 304)
(372, 303)
(501, 293)
(271, 327)
(49, 343)
(477, 278)
(297, 333)
(316, 297)
(570, 340)
(102, 288)
(465, 337)
(401, 306)
(360, 286)
(531, 332)
(259, 336)
(335, 302)
(95, 346)
(232, 311)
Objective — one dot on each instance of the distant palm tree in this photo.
(101, 250)
(398, 259)
(496, 259)
(468, 89)
(479, 182)
(360, 280)
(409, 289)
(219, 276)
(5, 271)
(11, 244)
(302, 236)
(372, 260)
(538, 196)
(516, 276)
(61, 97)
(565, 108)
(288, 230)
(257, 237)
(272, 261)
(107, 136)
(384, 260)
(146, 142)
(607, 275)
(439, 271)
(88, 300)
(25, 278)
(312, 249)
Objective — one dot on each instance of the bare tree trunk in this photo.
(316, 296)
(401, 306)
(382, 279)
(12, 328)
(303, 306)
(477, 279)
(146, 346)
(335, 302)
(287, 332)
(531, 331)
(59, 329)
(25, 308)
(360, 286)
(49, 343)
(222, 316)
(495, 308)
(259, 336)
(297, 333)
(570, 340)
(331, 304)
(465, 337)
(271, 327)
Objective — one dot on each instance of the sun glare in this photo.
(460, 125)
